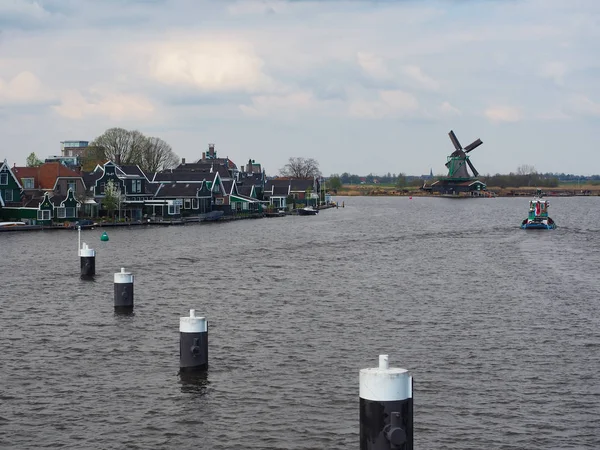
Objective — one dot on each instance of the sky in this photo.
(361, 86)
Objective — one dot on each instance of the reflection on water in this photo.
(194, 382)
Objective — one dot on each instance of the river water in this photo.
(500, 328)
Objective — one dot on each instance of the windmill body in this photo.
(459, 182)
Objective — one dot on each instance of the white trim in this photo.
(193, 323)
(12, 174)
(123, 277)
(1, 200)
(384, 384)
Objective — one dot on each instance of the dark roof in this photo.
(132, 170)
(182, 176)
(208, 167)
(178, 190)
(281, 191)
(89, 178)
(227, 185)
(151, 188)
(245, 190)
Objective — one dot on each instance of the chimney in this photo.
(118, 159)
(249, 166)
(203, 156)
(183, 161)
(211, 150)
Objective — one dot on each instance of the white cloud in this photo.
(391, 103)
(498, 114)
(373, 65)
(247, 7)
(416, 74)
(448, 110)
(581, 105)
(554, 70)
(295, 102)
(24, 88)
(112, 105)
(23, 8)
(210, 64)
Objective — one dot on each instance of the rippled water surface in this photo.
(500, 328)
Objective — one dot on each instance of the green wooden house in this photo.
(10, 193)
(68, 209)
(45, 211)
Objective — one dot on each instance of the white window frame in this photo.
(187, 203)
(4, 178)
(8, 195)
(136, 186)
(61, 212)
(195, 203)
(44, 214)
(70, 212)
(28, 183)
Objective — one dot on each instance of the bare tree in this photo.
(526, 169)
(301, 168)
(121, 144)
(158, 155)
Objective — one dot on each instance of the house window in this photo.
(43, 214)
(61, 213)
(8, 195)
(194, 203)
(187, 204)
(71, 185)
(70, 212)
(28, 183)
(218, 201)
(217, 189)
(3, 178)
(174, 209)
(136, 186)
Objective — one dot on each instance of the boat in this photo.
(538, 218)
(12, 224)
(307, 211)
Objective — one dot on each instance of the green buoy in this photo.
(104, 237)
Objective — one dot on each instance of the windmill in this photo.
(459, 159)
(459, 181)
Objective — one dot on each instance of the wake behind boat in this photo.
(538, 218)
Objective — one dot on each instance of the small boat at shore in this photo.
(307, 211)
(12, 224)
(538, 218)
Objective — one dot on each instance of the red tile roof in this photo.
(45, 175)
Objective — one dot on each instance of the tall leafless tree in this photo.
(158, 155)
(119, 144)
(298, 167)
(132, 147)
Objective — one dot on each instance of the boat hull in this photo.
(527, 225)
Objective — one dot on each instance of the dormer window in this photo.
(28, 183)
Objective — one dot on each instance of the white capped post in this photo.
(385, 399)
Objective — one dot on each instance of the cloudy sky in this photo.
(362, 86)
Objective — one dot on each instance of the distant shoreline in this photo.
(388, 191)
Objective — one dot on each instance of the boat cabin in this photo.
(538, 208)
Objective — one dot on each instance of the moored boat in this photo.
(538, 218)
(307, 211)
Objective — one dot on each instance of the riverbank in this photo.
(494, 191)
